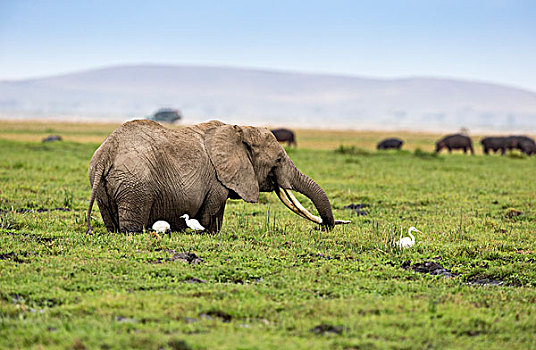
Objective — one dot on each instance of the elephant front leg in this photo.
(215, 222)
(211, 213)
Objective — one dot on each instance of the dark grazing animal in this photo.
(523, 143)
(393, 143)
(52, 138)
(285, 135)
(527, 147)
(456, 141)
(494, 143)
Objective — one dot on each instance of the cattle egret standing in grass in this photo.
(161, 226)
(406, 242)
(192, 223)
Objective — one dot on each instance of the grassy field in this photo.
(269, 279)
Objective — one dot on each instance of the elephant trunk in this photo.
(293, 179)
(305, 185)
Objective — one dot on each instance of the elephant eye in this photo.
(279, 159)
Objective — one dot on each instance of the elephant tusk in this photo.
(301, 208)
(293, 204)
(286, 201)
(288, 198)
(306, 212)
(342, 222)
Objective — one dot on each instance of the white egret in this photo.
(406, 242)
(161, 226)
(192, 223)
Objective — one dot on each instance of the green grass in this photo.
(271, 277)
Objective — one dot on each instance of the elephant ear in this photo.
(231, 159)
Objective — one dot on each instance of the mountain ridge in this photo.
(271, 97)
(271, 71)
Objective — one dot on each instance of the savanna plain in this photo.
(270, 279)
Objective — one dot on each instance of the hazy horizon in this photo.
(259, 97)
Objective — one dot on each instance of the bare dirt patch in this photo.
(36, 238)
(193, 280)
(429, 267)
(34, 210)
(187, 257)
(357, 208)
(310, 257)
(324, 329)
(216, 314)
(18, 257)
(484, 281)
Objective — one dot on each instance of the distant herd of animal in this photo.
(524, 144)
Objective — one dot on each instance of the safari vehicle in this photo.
(166, 115)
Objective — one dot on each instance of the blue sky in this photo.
(493, 40)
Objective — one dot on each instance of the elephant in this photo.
(455, 141)
(285, 135)
(144, 172)
(393, 143)
(495, 144)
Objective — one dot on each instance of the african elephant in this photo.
(456, 141)
(285, 135)
(144, 172)
(393, 143)
(494, 143)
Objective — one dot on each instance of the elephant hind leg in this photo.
(132, 218)
(109, 215)
(107, 207)
(134, 211)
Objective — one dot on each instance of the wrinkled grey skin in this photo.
(391, 143)
(285, 135)
(144, 172)
(494, 143)
(456, 141)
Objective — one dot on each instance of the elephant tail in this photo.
(96, 180)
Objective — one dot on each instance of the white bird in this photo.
(192, 223)
(406, 242)
(161, 226)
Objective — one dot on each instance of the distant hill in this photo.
(261, 97)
